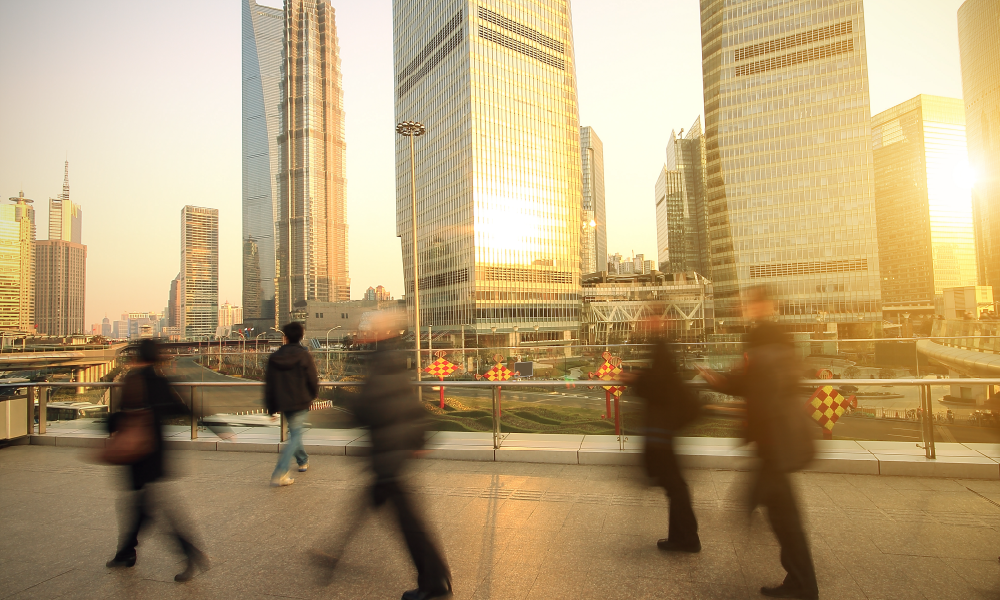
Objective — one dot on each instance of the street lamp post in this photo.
(412, 129)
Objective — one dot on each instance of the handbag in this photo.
(133, 439)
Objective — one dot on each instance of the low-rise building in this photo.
(338, 319)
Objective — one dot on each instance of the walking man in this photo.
(780, 427)
(290, 385)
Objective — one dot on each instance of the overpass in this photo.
(88, 362)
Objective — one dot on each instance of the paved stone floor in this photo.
(510, 530)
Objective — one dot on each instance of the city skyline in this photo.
(108, 196)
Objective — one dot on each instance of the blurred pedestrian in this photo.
(777, 423)
(291, 383)
(671, 405)
(137, 441)
(389, 407)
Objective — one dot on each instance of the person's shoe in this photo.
(121, 561)
(303, 468)
(419, 594)
(282, 481)
(668, 545)
(197, 561)
(787, 591)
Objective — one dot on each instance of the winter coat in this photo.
(291, 382)
(388, 405)
(671, 405)
(146, 388)
(769, 381)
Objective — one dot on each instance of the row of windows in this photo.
(431, 45)
(808, 268)
(518, 46)
(795, 58)
(523, 275)
(791, 41)
(515, 27)
(524, 312)
(433, 62)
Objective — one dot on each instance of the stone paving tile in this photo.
(510, 530)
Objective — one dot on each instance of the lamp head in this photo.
(411, 129)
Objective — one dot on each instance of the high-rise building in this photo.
(23, 273)
(60, 287)
(311, 220)
(119, 329)
(498, 173)
(262, 40)
(65, 217)
(174, 303)
(594, 236)
(788, 159)
(681, 225)
(978, 24)
(106, 327)
(923, 203)
(199, 283)
(230, 315)
(379, 294)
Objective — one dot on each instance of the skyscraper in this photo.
(262, 40)
(199, 284)
(65, 217)
(681, 227)
(230, 315)
(60, 287)
(788, 159)
(311, 219)
(978, 24)
(17, 266)
(106, 327)
(923, 202)
(499, 189)
(174, 303)
(594, 237)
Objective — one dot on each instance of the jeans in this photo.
(775, 492)
(293, 446)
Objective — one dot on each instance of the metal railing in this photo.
(195, 397)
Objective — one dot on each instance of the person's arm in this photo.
(730, 383)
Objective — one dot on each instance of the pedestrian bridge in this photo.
(509, 530)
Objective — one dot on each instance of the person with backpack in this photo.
(779, 425)
(291, 383)
(671, 405)
(137, 442)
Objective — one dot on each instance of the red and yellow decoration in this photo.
(441, 368)
(609, 371)
(826, 406)
(498, 372)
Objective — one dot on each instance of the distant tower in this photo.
(199, 283)
(65, 217)
(17, 259)
(594, 236)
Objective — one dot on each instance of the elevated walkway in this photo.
(970, 363)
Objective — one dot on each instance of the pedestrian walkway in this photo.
(510, 530)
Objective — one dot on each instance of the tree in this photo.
(852, 372)
(886, 373)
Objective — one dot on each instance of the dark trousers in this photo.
(683, 524)
(138, 512)
(774, 491)
(432, 572)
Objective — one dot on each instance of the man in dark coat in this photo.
(147, 392)
(389, 407)
(670, 406)
(779, 426)
(291, 383)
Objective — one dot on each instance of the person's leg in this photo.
(783, 514)
(683, 524)
(296, 424)
(288, 448)
(432, 572)
(136, 514)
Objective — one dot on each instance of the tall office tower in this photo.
(978, 24)
(788, 159)
(199, 284)
(312, 227)
(65, 217)
(681, 226)
(16, 268)
(106, 327)
(498, 172)
(60, 287)
(594, 236)
(262, 38)
(230, 315)
(174, 303)
(923, 203)
(24, 216)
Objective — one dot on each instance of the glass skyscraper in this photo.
(199, 276)
(788, 158)
(262, 38)
(499, 206)
(923, 202)
(311, 221)
(681, 228)
(979, 42)
(594, 237)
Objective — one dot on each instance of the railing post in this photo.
(496, 419)
(929, 450)
(194, 414)
(43, 408)
(31, 410)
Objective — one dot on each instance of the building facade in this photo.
(23, 215)
(498, 173)
(60, 287)
(978, 23)
(65, 217)
(230, 315)
(594, 231)
(681, 225)
(312, 261)
(923, 203)
(262, 31)
(788, 159)
(199, 275)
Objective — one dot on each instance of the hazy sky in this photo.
(145, 100)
